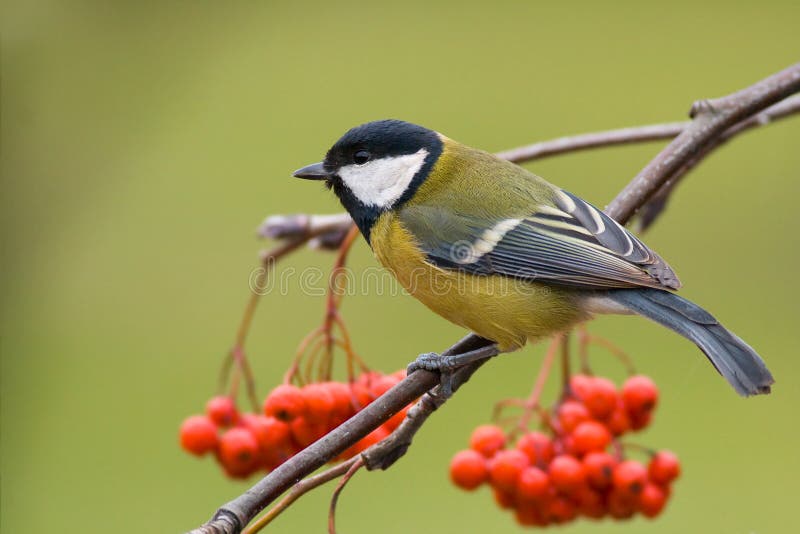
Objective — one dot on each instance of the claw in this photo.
(428, 361)
(447, 365)
(436, 363)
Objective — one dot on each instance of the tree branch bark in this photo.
(714, 121)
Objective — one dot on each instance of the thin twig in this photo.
(576, 143)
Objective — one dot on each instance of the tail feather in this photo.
(741, 366)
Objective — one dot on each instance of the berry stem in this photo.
(583, 348)
(532, 403)
(323, 338)
(250, 383)
(298, 490)
(627, 445)
(565, 367)
(291, 373)
(236, 354)
(358, 464)
(587, 339)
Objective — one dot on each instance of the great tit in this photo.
(496, 249)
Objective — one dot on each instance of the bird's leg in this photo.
(447, 364)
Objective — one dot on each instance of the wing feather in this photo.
(572, 243)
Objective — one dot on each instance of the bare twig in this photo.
(711, 120)
(575, 143)
(302, 225)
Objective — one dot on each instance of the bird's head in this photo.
(377, 167)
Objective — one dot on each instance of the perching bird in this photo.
(494, 248)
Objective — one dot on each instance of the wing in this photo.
(568, 243)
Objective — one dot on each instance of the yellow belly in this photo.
(496, 307)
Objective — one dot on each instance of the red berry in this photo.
(361, 389)
(238, 452)
(319, 403)
(360, 395)
(365, 443)
(566, 445)
(590, 436)
(570, 414)
(468, 469)
(273, 437)
(560, 510)
(532, 484)
(306, 432)
(505, 468)
(528, 515)
(652, 500)
(640, 395)
(629, 477)
(590, 503)
(619, 422)
(285, 402)
(504, 499)
(342, 408)
(601, 399)
(381, 384)
(664, 467)
(580, 385)
(487, 440)
(198, 435)
(567, 474)
(538, 447)
(640, 420)
(599, 468)
(222, 410)
(620, 504)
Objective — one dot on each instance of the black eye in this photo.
(361, 157)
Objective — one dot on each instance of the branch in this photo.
(648, 213)
(711, 121)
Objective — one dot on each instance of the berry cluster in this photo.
(567, 472)
(293, 418)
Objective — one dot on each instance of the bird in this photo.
(495, 249)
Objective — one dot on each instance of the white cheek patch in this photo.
(382, 182)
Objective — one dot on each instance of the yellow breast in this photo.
(496, 307)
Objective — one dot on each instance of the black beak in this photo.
(315, 171)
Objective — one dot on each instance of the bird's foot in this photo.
(447, 365)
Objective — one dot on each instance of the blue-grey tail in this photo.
(732, 357)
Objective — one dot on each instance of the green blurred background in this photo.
(142, 143)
